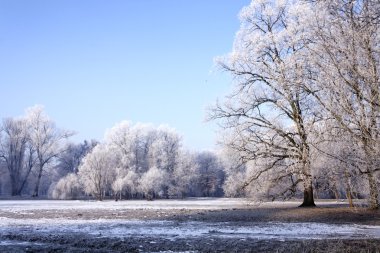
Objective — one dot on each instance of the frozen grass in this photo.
(25, 205)
(191, 204)
(170, 229)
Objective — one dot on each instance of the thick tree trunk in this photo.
(37, 187)
(23, 184)
(308, 194)
(308, 198)
(18, 184)
(14, 171)
(15, 191)
(373, 192)
(14, 186)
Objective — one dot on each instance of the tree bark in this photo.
(373, 196)
(14, 186)
(37, 187)
(308, 197)
(373, 191)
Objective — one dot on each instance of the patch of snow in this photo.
(22, 243)
(25, 206)
(172, 229)
(196, 203)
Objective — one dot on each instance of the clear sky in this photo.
(93, 63)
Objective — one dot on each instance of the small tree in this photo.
(67, 187)
(96, 173)
(152, 183)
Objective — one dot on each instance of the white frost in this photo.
(117, 228)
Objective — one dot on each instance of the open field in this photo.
(194, 225)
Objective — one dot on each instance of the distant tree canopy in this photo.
(133, 161)
(143, 161)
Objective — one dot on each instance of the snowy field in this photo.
(172, 229)
(156, 225)
(196, 203)
(191, 203)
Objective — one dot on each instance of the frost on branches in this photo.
(143, 161)
(299, 67)
(29, 148)
(345, 55)
(268, 113)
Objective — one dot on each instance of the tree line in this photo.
(132, 162)
(143, 161)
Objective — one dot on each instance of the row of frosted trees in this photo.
(143, 161)
(133, 161)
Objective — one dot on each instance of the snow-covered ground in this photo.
(167, 228)
(191, 225)
(191, 204)
(196, 203)
(172, 229)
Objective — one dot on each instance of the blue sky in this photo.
(93, 63)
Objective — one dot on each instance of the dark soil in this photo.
(84, 243)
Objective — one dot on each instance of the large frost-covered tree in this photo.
(268, 114)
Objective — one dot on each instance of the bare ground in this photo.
(36, 239)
